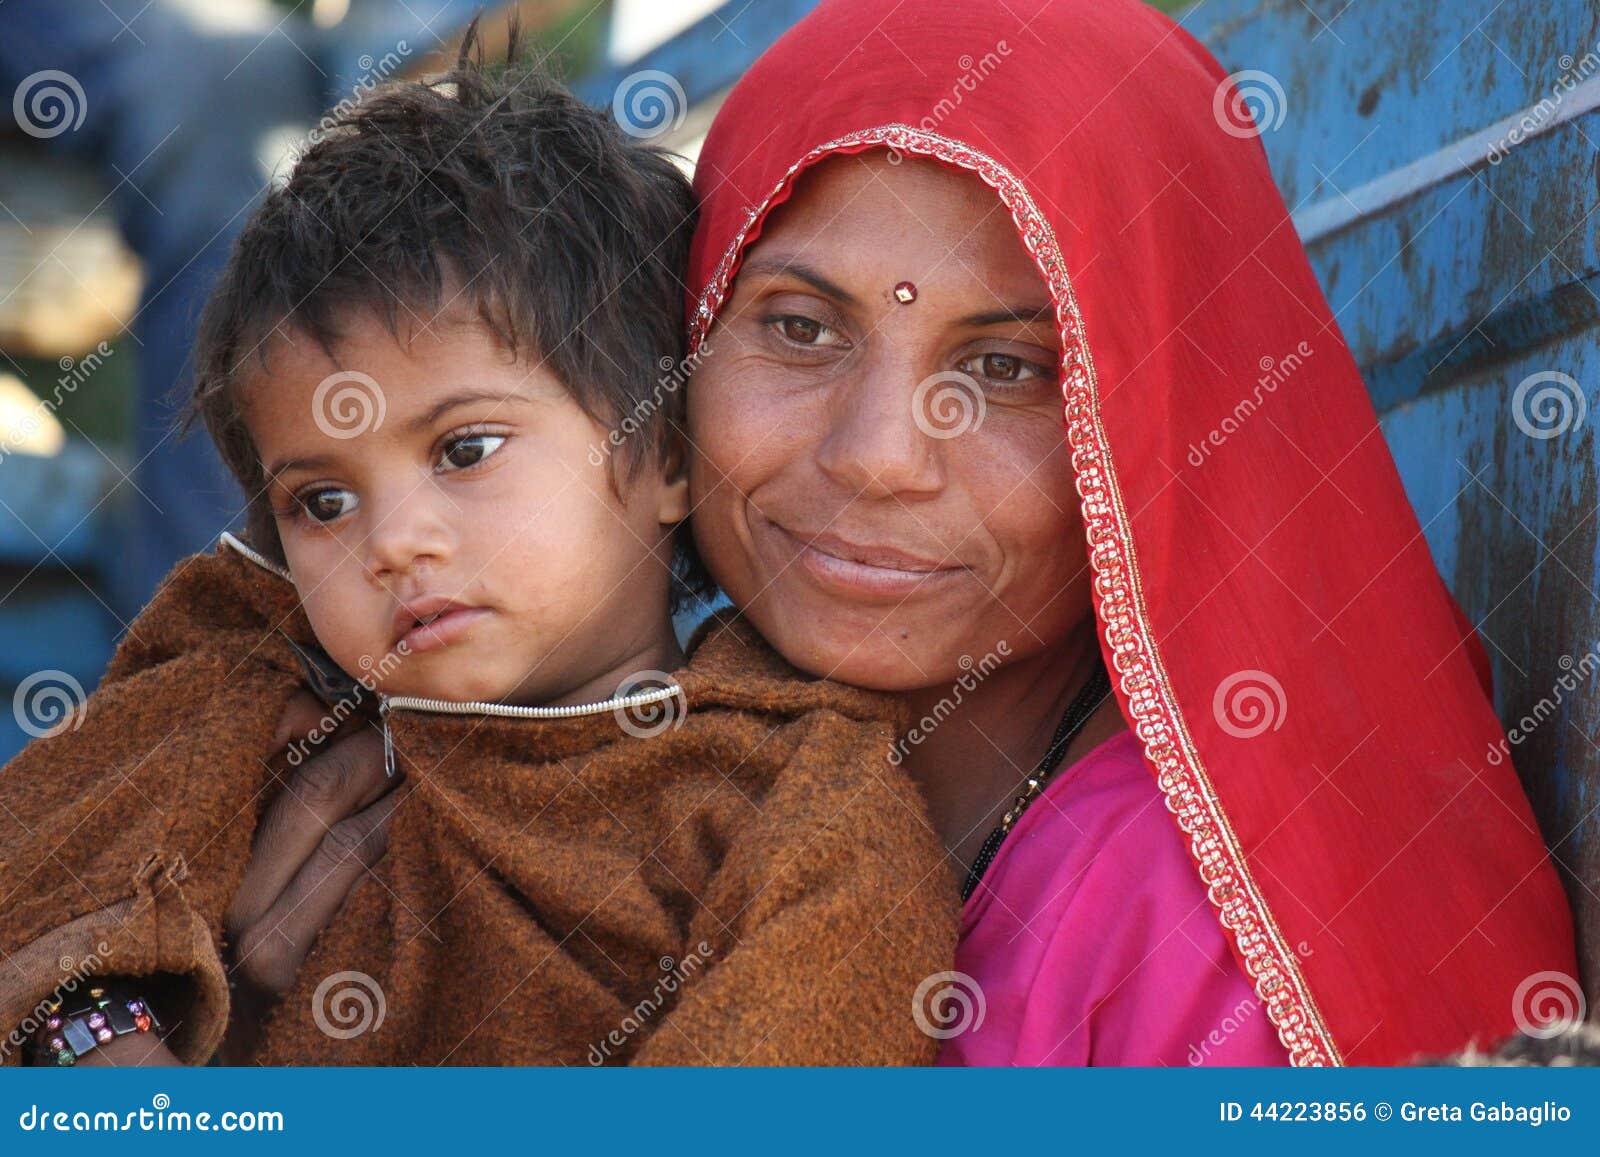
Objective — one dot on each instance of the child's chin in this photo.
(453, 673)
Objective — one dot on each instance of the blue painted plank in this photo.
(1469, 257)
(1370, 87)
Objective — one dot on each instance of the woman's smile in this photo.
(864, 569)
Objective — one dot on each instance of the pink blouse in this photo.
(1091, 940)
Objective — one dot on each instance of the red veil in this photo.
(1279, 637)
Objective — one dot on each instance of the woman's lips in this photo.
(448, 628)
(860, 569)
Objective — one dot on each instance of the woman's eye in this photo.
(1002, 368)
(804, 330)
(461, 453)
(327, 504)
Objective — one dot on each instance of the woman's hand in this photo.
(315, 842)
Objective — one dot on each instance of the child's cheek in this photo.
(350, 627)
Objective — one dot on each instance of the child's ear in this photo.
(674, 505)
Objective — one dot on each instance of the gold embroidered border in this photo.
(1157, 720)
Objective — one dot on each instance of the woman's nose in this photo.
(879, 440)
(411, 530)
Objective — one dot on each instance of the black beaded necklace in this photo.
(1083, 705)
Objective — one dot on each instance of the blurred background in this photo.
(1440, 161)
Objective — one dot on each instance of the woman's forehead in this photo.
(880, 215)
(880, 175)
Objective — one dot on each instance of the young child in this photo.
(443, 363)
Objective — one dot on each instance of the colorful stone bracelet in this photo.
(66, 1036)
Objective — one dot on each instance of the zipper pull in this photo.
(388, 739)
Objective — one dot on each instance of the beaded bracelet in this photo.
(66, 1036)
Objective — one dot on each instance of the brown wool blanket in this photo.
(754, 884)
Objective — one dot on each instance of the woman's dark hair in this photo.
(505, 193)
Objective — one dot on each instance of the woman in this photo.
(1276, 839)
(1073, 206)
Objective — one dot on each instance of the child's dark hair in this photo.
(565, 236)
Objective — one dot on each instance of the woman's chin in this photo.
(832, 643)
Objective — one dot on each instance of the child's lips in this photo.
(449, 627)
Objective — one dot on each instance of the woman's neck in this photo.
(975, 762)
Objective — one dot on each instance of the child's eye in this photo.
(1002, 368)
(460, 453)
(326, 503)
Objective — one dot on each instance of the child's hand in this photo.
(132, 1050)
(314, 843)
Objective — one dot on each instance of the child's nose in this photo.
(412, 530)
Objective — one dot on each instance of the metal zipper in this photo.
(387, 703)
